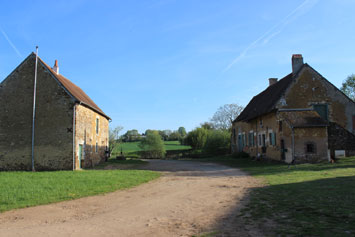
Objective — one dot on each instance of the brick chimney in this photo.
(55, 67)
(272, 81)
(297, 62)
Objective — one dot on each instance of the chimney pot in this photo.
(272, 81)
(55, 67)
(297, 62)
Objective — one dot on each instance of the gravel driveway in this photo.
(191, 198)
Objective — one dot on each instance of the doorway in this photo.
(282, 144)
(80, 154)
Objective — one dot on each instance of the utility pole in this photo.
(34, 111)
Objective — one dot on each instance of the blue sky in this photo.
(162, 64)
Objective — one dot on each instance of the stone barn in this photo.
(70, 130)
(300, 118)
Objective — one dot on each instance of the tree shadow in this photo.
(323, 207)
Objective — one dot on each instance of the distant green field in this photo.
(131, 148)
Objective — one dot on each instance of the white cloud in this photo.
(10, 42)
(275, 30)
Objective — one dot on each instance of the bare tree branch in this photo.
(225, 115)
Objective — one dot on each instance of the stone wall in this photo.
(53, 125)
(263, 125)
(341, 139)
(87, 137)
(310, 88)
(318, 137)
(269, 123)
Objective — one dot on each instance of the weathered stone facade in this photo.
(91, 136)
(54, 120)
(265, 136)
(306, 137)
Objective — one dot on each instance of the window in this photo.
(310, 148)
(272, 139)
(322, 110)
(280, 126)
(259, 140)
(264, 139)
(97, 126)
(234, 133)
(261, 123)
(251, 139)
(96, 147)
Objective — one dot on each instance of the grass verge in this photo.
(25, 189)
(303, 200)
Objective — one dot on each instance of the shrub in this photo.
(217, 142)
(197, 138)
(152, 146)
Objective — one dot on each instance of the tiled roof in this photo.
(75, 91)
(265, 101)
(303, 119)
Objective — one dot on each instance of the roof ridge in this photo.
(73, 90)
(265, 101)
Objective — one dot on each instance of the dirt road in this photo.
(189, 199)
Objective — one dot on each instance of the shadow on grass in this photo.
(305, 200)
(322, 207)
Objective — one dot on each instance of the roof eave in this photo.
(95, 110)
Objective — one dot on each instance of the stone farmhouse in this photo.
(300, 118)
(70, 132)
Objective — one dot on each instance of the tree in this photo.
(131, 136)
(148, 131)
(207, 125)
(348, 87)
(197, 138)
(217, 142)
(175, 136)
(152, 145)
(113, 137)
(225, 115)
(182, 131)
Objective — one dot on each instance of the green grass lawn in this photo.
(24, 189)
(131, 148)
(303, 200)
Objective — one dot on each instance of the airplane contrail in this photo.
(10, 42)
(266, 37)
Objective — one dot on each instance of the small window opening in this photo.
(310, 148)
(96, 147)
(97, 126)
